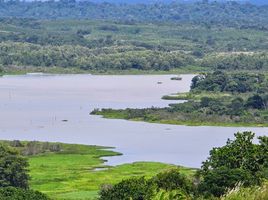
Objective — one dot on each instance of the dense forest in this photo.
(215, 13)
(105, 45)
(108, 37)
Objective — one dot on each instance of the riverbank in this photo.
(70, 70)
(120, 114)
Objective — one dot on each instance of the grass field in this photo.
(74, 171)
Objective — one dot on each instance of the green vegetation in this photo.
(148, 189)
(16, 175)
(233, 171)
(239, 161)
(58, 37)
(236, 99)
(68, 171)
(12, 193)
(244, 16)
(14, 178)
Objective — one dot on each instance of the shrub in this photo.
(172, 180)
(134, 189)
(13, 168)
(217, 182)
(11, 193)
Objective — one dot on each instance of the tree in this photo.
(255, 102)
(239, 161)
(134, 188)
(237, 106)
(13, 168)
(196, 80)
(173, 180)
(217, 182)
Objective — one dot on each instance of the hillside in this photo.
(231, 13)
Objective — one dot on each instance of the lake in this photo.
(56, 108)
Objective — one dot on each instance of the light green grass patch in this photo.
(70, 174)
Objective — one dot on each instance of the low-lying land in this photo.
(218, 99)
(69, 171)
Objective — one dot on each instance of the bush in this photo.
(217, 182)
(11, 193)
(134, 189)
(173, 180)
(13, 168)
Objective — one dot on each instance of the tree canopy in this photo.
(13, 168)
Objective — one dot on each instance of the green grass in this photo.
(123, 114)
(196, 96)
(69, 174)
(187, 123)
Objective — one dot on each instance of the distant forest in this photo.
(84, 35)
(214, 13)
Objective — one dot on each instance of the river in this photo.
(56, 108)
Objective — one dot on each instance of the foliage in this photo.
(215, 13)
(218, 181)
(219, 81)
(11, 193)
(171, 195)
(122, 44)
(19, 54)
(238, 61)
(167, 185)
(134, 188)
(173, 180)
(239, 164)
(13, 168)
(239, 161)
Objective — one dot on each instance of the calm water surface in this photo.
(56, 108)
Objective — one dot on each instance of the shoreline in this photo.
(194, 124)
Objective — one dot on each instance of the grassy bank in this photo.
(121, 114)
(73, 171)
(196, 96)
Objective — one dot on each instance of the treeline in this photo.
(22, 54)
(122, 58)
(219, 81)
(215, 13)
(106, 45)
(238, 61)
(240, 163)
(199, 39)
